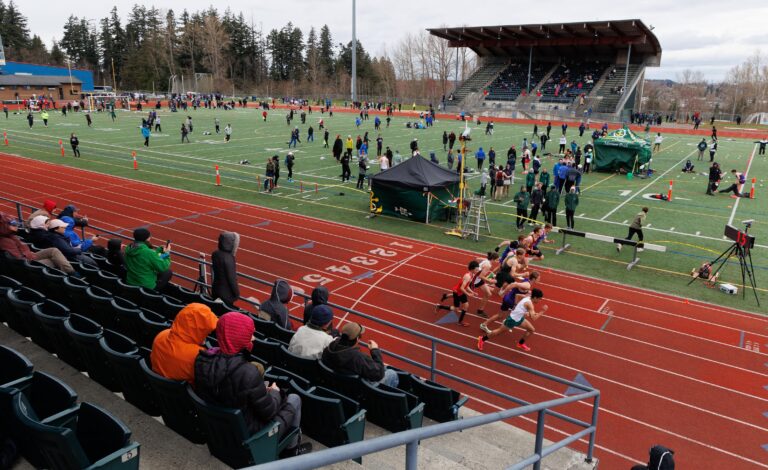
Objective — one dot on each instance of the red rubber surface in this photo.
(670, 371)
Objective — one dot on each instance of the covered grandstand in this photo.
(569, 68)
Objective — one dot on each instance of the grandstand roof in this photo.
(36, 80)
(555, 39)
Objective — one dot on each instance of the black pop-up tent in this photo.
(416, 189)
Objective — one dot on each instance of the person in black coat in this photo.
(115, 257)
(58, 240)
(225, 285)
(276, 306)
(715, 175)
(537, 198)
(338, 148)
(225, 376)
(343, 355)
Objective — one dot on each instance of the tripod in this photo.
(741, 249)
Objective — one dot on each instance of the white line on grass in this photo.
(642, 190)
(746, 173)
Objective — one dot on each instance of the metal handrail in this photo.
(589, 392)
(411, 438)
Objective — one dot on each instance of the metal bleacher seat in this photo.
(331, 418)
(39, 335)
(176, 406)
(391, 408)
(20, 313)
(152, 323)
(124, 358)
(96, 440)
(440, 403)
(230, 440)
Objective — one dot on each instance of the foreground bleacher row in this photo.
(110, 335)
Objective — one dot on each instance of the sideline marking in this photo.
(746, 173)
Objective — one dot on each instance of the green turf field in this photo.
(691, 226)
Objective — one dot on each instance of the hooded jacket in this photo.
(115, 257)
(345, 357)
(175, 349)
(275, 307)
(74, 238)
(319, 297)
(69, 211)
(225, 376)
(225, 268)
(10, 242)
(143, 264)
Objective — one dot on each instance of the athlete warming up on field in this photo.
(523, 315)
(461, 293)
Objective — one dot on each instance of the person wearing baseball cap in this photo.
(57, 235)
(147, 266)
(311, 339)
(11, 244)
(343, 355)
(47, 210)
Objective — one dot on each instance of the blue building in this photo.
(85, 77)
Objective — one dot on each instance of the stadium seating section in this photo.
(100, 325)
(511, 82)
(569, 80)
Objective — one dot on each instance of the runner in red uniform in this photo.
(461, 293)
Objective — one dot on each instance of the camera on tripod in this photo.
(741, 249)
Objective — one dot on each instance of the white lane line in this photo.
(746, 173)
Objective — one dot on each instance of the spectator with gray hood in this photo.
(225, 285)
(275, 307)
(311, 339)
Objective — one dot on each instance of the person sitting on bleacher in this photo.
(47, 211)
(311, 339)
(225, 376)
(77, 242)
(56, 228)
(320, 296)
(38, 232)
(343, 355)
(147, 266)
(74, 212)
(10, 243)
(275, 308)
(174, 350)
(116, 258)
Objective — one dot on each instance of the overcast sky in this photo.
(707, 35)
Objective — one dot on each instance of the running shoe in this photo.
(482, 314)
(524, 347)
(443, 297)
(618, 247)
(437, 308)
(480, 343)
(485, 328)
(463, 323)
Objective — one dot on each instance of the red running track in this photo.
(670, 371)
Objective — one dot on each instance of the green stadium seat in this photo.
(231, 442)
(391, 408)
(86, 334)
(441, 403)
(38, 333)
(124, 358)
(97, 440)
(331, 418)
(176, 406)
(16, 370)
(152, 324)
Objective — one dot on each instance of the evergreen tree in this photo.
(326, 53)
(13, 30)
(57, 55)
(112, 39)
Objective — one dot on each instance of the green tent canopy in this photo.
(416, 189)
(621, 149)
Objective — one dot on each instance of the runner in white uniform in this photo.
(522, 315)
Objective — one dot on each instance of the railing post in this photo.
(591, 448)
(412, 455)
(539, 437)
(18, 211)
(433, 364)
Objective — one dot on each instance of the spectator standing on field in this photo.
(75, 143)
(571, 203)
(522, 198)
(636, 227)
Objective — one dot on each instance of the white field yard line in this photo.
(642, 190)
(746, 174)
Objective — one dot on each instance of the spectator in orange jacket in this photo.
(175, 349)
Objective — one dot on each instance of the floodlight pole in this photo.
(354, 52)
(530, 60)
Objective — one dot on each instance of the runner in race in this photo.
(484, 281)
(461, 293)
(510, 295)
(523, 315)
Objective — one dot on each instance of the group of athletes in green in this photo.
(510, 275)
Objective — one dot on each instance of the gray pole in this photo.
(626, 69)
(530, 59)
(354, 53)
(456, 77)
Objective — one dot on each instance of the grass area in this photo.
(691, 226)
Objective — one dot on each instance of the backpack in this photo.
(661, 458)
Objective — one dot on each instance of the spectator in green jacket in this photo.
(522, 198)
(544, 178)
(530, 181)
(571, 203)
(146, 265)
(551, 200)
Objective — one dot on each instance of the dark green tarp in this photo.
(405, 190)
(621, 149)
